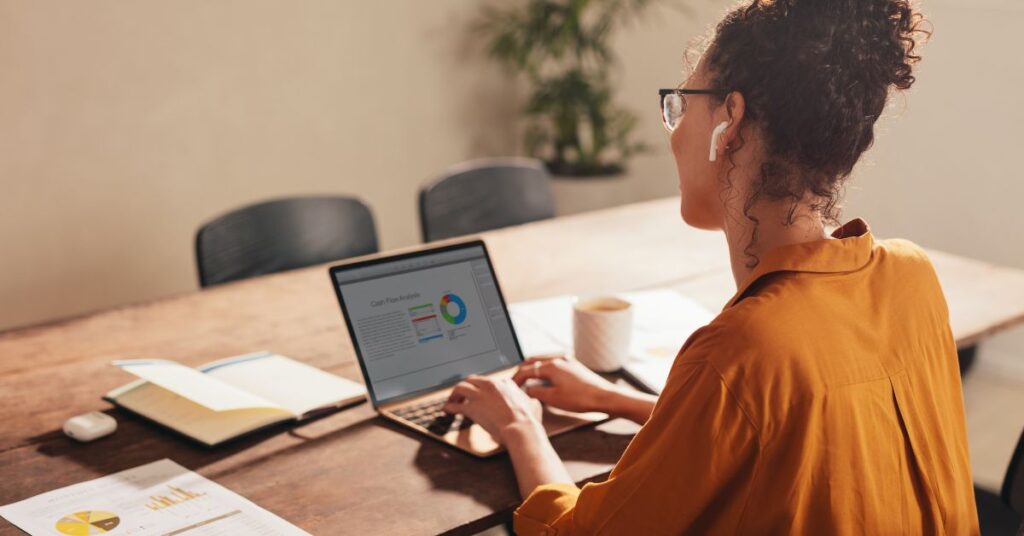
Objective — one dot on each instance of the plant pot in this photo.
(576, 171)
(583, 193)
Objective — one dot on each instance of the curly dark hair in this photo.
(815, 76)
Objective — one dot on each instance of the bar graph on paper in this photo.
(161, 498)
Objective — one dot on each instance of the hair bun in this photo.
(815, 76)
(882, 34)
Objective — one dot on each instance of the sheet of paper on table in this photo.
(161, 497)
(662, 321)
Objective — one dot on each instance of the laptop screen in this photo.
(425, 320)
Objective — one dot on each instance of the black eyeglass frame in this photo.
(662, 93)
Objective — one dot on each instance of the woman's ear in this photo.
(735, 108)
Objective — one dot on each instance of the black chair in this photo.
(485, 194)
(283, 234)
(1003, 514)
(1013, 484)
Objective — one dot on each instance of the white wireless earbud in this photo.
(715, 134)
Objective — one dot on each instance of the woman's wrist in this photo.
(612, 400)
(520, 432)
(628, 403)
(533, 458)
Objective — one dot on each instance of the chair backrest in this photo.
(485, 194)
(1013, 484)
(283, 234)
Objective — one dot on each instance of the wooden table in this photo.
(350, 469)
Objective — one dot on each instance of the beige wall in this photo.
(124, 125)
(947, 171)
(127, 124)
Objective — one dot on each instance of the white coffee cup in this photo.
(601, 329)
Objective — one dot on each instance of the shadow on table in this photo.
(138, 441)
(589, 453)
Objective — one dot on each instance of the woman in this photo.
(825, 398)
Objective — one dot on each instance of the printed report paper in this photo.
(662, 321)
(160, 498)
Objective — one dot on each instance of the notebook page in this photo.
(193, 385)
(294, 386)
(185, 416)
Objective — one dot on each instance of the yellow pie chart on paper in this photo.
(88, 522)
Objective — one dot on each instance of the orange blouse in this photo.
(824, 399)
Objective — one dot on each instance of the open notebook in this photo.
(225, 399)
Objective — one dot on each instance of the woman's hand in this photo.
(498, 405)
(514, 419)
(570, 385)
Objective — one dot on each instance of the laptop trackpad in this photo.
(478, 441)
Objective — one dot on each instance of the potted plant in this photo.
(562, 47)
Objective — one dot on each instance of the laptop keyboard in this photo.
(429, 415)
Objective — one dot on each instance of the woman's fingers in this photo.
(540, 392)
(529, 369)
(537, 367)
(462, 392)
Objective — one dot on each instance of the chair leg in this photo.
(966, 357)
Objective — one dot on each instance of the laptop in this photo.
(420, 322)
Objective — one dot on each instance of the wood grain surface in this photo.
(351, 469)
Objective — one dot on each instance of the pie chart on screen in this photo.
(88, 522)
(453, 309)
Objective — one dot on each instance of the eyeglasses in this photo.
(673, 104)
